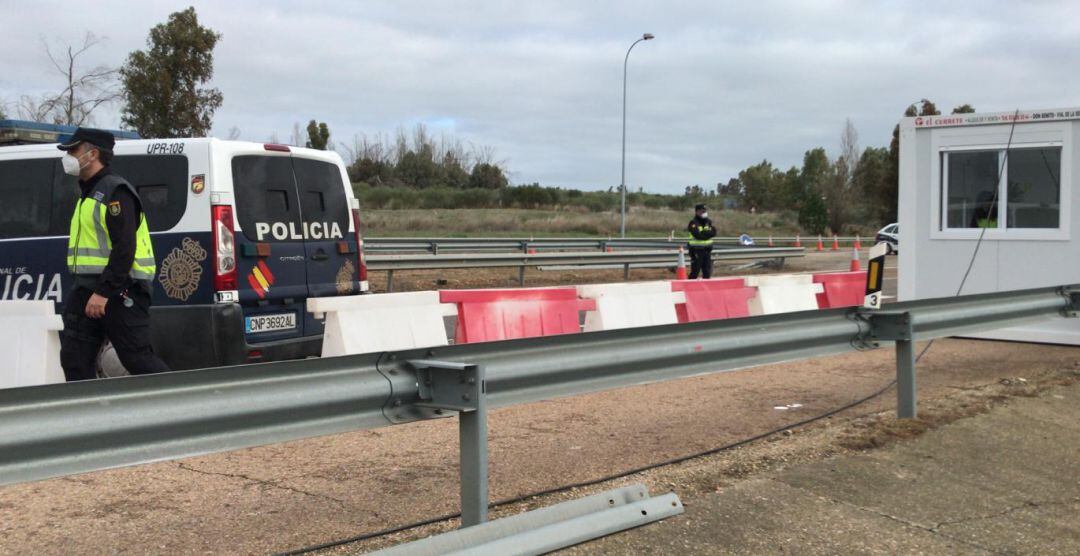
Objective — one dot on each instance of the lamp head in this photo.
(648, 36)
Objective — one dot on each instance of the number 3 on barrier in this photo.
(875, 275)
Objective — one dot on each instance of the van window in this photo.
(162, 182)
(266, 204)
(26, 197)
(322, 194)
(65, 191)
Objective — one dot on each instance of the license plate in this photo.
(270, 323)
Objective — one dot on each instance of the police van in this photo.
(243, 234)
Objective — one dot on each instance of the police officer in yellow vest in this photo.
(111, 262)
(700, 242)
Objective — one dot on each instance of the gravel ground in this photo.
(290, 495)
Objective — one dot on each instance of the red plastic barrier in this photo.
(490, 315)
(842, 289)
(724, 298)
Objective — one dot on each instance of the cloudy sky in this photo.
(723, 86)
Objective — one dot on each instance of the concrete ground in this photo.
(1006, 482)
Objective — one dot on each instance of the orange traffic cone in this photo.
(680, 271)
(835, 243)
(798, 241)
(855, 259)
(770, 241)
(820, 245)
(858, 242)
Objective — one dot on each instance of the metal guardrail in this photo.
(150, 418)
(627, 259)
(436, 245)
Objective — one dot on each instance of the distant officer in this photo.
(702, 233)
(112, 262)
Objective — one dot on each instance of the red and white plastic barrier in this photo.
(783, 294)
(505, 314)
(381, 322)
(629, 305)
(720, 298)
(841, 289)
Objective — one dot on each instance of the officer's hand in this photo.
(95, 307)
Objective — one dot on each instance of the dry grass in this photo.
(552, 223)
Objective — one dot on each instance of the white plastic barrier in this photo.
(381, 322)
(783, 294)
(630, 305)
(30, 342)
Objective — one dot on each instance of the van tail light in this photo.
(359, 248)
(224, 248)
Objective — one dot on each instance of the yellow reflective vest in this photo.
(89, 245)
(701, 229)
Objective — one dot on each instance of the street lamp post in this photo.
(622, 180)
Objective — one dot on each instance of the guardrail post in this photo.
(626, 272)
(905, 379)
(460, 387)
(521, 276)
(472, 428)
(390, 281)
(899, 328)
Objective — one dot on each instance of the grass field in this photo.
(554, 223)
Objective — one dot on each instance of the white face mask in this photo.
(71, 164)
(704, 215)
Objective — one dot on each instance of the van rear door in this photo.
(271, 258)
(331, 250)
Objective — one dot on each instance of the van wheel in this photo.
(108, 363)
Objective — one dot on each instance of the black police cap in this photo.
(700, 207)
(98, 137)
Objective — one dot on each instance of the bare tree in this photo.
(84, 90)
(849, 150)
(299, 137)
(840, 188)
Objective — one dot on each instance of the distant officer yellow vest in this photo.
(89, 245)
(694, 242)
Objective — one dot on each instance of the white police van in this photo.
(243, 234)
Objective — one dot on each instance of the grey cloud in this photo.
(724, 85)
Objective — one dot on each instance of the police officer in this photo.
(111, 261)
(702, 233)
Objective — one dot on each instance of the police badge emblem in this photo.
(181, 270)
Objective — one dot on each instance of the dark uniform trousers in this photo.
(128, 328)
(700, 262)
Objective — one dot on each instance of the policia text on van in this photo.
(111, 260)
(243, 233)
